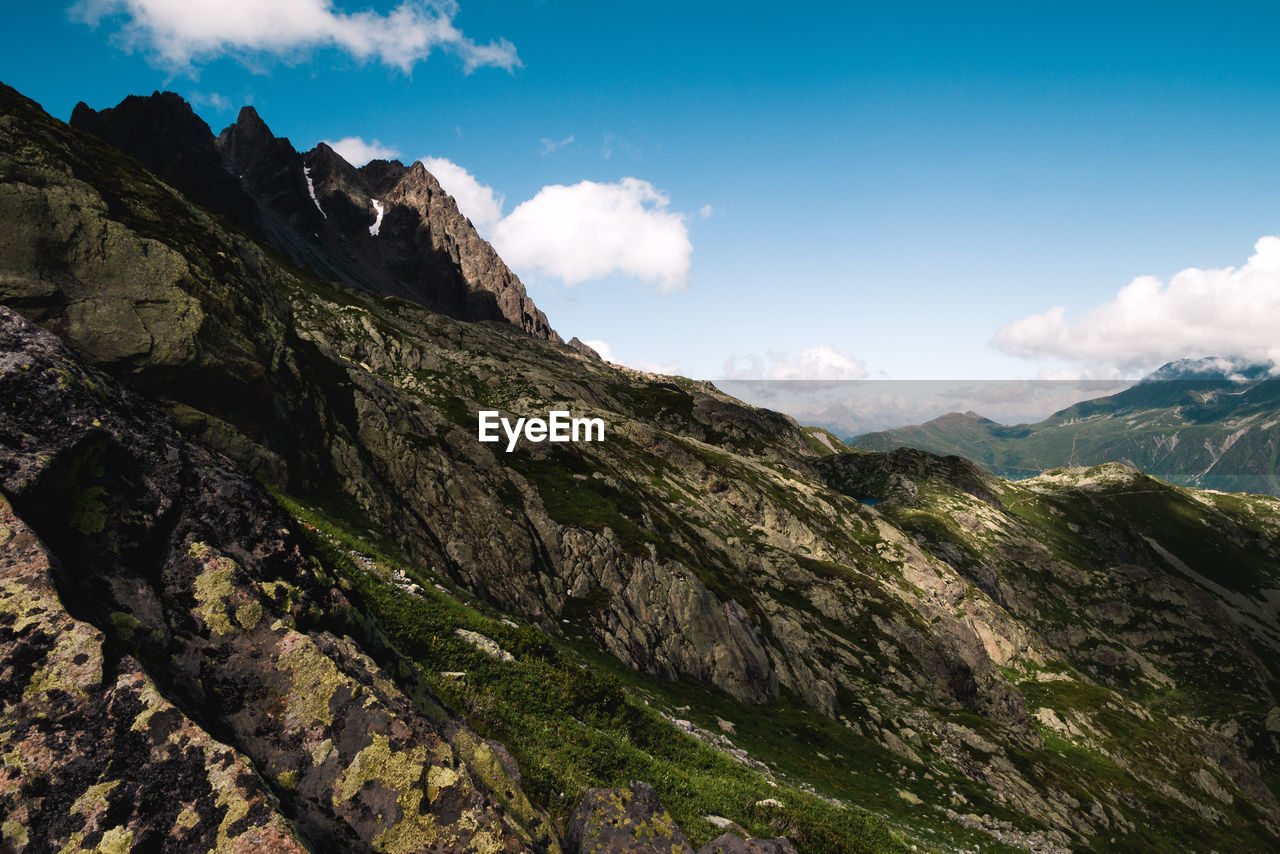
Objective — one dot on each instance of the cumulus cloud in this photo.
(606, 353)
(478, 202)
(813, 363)
(550, 145)
(601, 347)
(591, 230)
(357, 152)
(705, 211)
(183, 33)
(671, 368)
(580, 232)
(1229, 312)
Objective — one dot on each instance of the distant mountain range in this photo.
(1211, 423)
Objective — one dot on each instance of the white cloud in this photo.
(601, 347)
(478, 202)
(550, 145)
(182, 33)
(606, 353)
(357, 152)
(813, 363)
(209, 99)
(1230, 312)
(578, 233)
(671, 368)
(705, 211)
(591, 230)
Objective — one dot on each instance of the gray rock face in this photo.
(624, 821)
(197, 611)
(175, 145)
(583, 348)
(663, 619)
(107, 762)
(729, 844)
(425, 244)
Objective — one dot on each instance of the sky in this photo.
(824, 191)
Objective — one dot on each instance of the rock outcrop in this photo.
(584, 348)
(101, 760)
(633, 821)
(625, 821)
(180, 671)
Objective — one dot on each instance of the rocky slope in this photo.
(973, 661)
(1187, 423)
(168, 648)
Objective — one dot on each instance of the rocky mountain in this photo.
(383, 227)
(262, 584)
(1208, 423)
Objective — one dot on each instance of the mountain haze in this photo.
(1204, 423)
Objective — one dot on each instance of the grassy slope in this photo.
(575, 720)
(1130, 731)
(649, 502)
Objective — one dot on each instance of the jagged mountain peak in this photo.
(383, 227)
(150, 112)
(382, 176)
(248, 124)
(171, 141)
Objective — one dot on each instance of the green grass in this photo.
(575, 491)
(814, 437)
(572, 725)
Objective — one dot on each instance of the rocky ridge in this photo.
(960, 649)
(384, 226)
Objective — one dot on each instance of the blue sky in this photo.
(886, 190)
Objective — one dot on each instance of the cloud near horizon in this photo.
(813, 363)
(581, 232)
(1229, 313)
(182, 33)
(606, 353)
(357, 152)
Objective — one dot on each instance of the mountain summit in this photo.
(1212, 368)
(384, 227)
